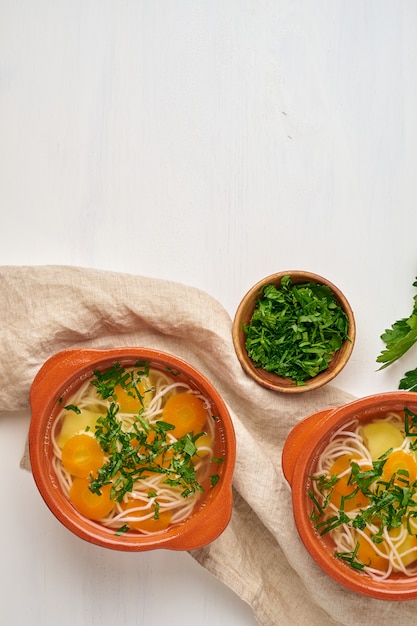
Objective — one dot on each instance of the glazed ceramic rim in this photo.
(272, 381)
(329, 421)
(205, 525)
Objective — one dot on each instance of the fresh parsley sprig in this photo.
(398, 340)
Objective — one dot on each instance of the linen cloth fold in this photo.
(45, 309)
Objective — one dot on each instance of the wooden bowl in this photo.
(300, 453)
(59, 377)
(270, 380)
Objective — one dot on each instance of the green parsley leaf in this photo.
(409, 381)
(399, 338)
(351, 558)
(73, 407)
(214, 479)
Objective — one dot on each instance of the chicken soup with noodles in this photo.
(134, 449)
(364, 495)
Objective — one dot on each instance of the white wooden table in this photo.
(211, 143)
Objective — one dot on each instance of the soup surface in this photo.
(134, 448)
(364, 494)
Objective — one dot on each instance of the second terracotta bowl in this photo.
(302, 448)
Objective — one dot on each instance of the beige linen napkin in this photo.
(50, 308)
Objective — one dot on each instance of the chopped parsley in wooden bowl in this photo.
(293, 331)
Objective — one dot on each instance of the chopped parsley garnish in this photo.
(133, 455)
(351, 558)
(72, 407)
(214, 479)
(106, 382)
(410, 426)
(144, 449)
(392, 503)
(295, 330)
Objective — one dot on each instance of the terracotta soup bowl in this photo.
(303, 451)
(54, 387)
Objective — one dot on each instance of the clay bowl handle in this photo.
(211, 524)
(55, 370)
(297, 439)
